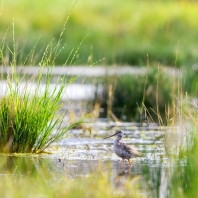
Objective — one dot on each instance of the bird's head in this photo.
(118, 134)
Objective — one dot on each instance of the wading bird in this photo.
(123, 150)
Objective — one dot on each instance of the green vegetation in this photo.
(184, 175)
(184, 179)
(123, 95)
(190, 81)
(121, 32)
(157, 90)
(27, 121)
(128, 32)
(29, 118)
(23, 176)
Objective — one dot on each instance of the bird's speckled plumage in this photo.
(123, 150)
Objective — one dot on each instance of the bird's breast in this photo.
(121, 151)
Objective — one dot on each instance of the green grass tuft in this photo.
(28, 121)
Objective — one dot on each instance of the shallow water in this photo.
(82, 153)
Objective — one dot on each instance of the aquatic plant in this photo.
(184, 178)
(128, 92)
(30, 117)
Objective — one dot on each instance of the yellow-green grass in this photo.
(122, 32)
(22, 177)
(184, 175)
(92, 187)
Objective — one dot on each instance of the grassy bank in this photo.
(121, 32)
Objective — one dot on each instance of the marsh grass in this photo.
(127, 95)
(184, 176)
(30, 118)
(184, 180)
(178, 167)
(30, 122)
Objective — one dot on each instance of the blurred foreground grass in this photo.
(184, 175)
(43, 186)
(30, 176)
(123, 32)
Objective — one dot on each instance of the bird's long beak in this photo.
(109, 136)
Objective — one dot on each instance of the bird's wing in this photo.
(132, 151)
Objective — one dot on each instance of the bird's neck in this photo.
(117, 141)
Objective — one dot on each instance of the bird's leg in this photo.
(130, 164)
